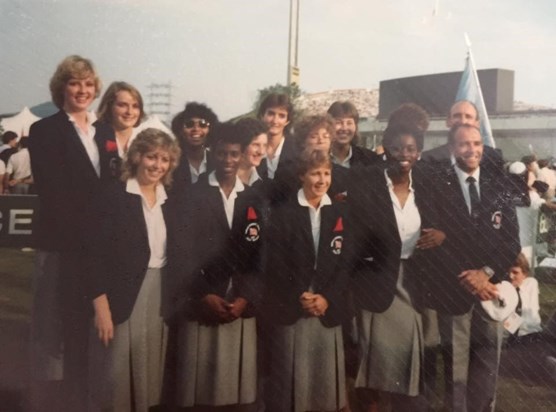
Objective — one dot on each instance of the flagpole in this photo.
(485, 120)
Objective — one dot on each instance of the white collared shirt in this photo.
(88, 139)
(19, 164)
(154, 220)
(229, 202)
(4, 147)
(462, 178)
(529, 293)
(122, 151)
(408, 218)
(202, 169)
(254, 177)
(315, 215)
(344, 163)
(272, 164)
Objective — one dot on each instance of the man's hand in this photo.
(490, 292)
(474, 280)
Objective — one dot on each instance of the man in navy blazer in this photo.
(463, 112)
(481, 244)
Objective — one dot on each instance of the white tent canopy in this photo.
(153, 122)
(20, 123)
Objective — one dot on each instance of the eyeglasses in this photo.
(203, 124)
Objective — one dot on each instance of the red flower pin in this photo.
(111, 146)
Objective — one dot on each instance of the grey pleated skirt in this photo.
(127, 375)
(217, 365)
(47, 355)
(391, 346)
(307, 368)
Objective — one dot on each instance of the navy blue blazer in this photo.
(120, 251)
(377, 241)
(181, 178)
(66, 181)
(490, 240)
(361, 156)
(290, 268)
(219, 253)
(278, 189)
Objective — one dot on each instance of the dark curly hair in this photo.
(193, 109)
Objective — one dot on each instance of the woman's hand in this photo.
(430, 238)
(313, 304)
(218, 308)
(103, 319)
(237, 308)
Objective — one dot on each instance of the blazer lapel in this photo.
(217, 206)
(457, 201)
(74, 142)
(326, 235)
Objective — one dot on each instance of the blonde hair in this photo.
(147, 141)
(72, 67)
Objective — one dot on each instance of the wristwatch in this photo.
(488, 270)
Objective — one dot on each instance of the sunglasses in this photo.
(203, 124)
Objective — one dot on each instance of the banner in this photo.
(470, 89)
(17, 213)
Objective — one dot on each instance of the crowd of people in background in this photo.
(265, 263)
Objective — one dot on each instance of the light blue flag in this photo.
(470, 89)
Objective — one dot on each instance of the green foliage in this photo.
(292, 91)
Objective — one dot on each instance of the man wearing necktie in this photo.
(481, 244)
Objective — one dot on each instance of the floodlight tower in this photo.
(293, 67)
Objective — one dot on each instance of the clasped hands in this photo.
(313, 304)
(477, 282)
(223, 311)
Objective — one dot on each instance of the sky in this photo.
(221, 52)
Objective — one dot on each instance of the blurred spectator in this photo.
(2, 172)
(528, 216)
(530, 162)
(18, 177)
(547, 174)
(9, 146)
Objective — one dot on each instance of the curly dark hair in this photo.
(191, 110)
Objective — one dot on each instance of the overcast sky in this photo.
(222, 51)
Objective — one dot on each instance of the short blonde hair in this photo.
(147, 141)
(104, 112)
(72, 67)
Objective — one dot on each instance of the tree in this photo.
(292, 91)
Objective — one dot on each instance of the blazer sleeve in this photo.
(102, 241)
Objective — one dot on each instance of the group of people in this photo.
(230, 267)
(15, 165)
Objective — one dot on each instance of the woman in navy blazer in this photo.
(306, 277)
(395, 226)
(72, 157)
(135, 245)
(217, 342)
